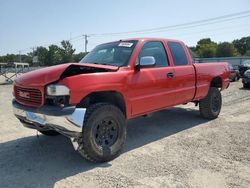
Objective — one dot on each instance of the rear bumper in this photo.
(67, 121)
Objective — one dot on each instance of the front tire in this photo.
(211, 105)
(104, 133)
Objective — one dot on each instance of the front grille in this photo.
(28, 96)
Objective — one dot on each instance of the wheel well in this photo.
(111, 97)
(216, 82)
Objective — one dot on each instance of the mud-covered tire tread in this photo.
(81, 150)
(84, 148)
(84, 154)
(205, 104)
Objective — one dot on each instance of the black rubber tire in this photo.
(88, 146)
(207, 106)
(49, 133)
(245, 85)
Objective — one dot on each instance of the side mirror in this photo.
(147, 61)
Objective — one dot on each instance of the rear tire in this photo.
(211, 105)
(245, 86)
(49, 133)
(104, 133)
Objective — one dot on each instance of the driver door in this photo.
(152, 88)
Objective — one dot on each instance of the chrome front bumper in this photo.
(68, 121)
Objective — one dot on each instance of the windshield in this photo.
(246, 63)
(115, 53)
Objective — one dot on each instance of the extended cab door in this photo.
(184, 72)
(152, 88)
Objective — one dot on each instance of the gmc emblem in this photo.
(24, 94)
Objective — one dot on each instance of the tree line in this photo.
(54, 54)
(206, 48)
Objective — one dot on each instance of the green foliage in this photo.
(206, 48)
(205, 41)
(67, 51)
(247, 53)
(26, 59)
(54, 55)
(15, 58)
(79, 56)
(226, 49)
(42, 54)
(242, 45)
(9, 58)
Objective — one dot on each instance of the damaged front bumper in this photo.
(67, 121)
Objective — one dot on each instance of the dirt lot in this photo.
(173, 148)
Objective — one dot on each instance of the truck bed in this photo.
(205, 72)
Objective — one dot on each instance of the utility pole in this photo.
(33, 51)
(86, 42)
(20, 57)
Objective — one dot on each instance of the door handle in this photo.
(170, 75)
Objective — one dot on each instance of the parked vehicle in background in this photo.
(245, 65)
(90, 101)
(234, 73)
(246, 79)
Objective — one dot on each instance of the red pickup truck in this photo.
(90, 101)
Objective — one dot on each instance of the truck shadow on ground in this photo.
(41, 162)
(246, 89)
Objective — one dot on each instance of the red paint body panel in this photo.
(44, 76)
(143, 91)
(205, 73)
(149, 89)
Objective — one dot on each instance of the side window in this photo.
(178, 53)
(155, 49)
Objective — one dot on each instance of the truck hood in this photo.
(44, 76)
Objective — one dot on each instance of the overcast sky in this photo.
(28, 23)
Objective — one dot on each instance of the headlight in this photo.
(57, 90)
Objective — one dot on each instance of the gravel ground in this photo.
(172, 148)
